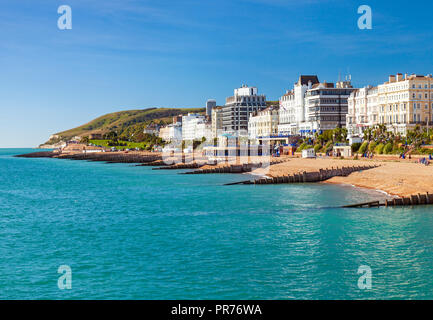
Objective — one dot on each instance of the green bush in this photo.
(388, 148)
(304, 146)
(372, 146)
(363, 147)
(379, 148)
(317, 148)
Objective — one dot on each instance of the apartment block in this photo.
(237, 110)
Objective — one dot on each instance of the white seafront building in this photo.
(313, 106)
(196, 127)
(263, 124)
(217, 121)
(401, 103)
(292, 105)
(171, 132)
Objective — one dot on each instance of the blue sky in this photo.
(131, 54)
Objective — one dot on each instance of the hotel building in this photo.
(217, 121)
(401, 103)
(313, 106)
(326, 107)
(363, 111)
(263, 124)
(292, 105)
(237, 110)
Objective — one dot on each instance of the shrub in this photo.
(317, 148)
(379, 148)
(388, 148)
(372, 146)
(363, 147)
(302, 146)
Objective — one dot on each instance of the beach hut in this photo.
(342, 151)
(308, 153)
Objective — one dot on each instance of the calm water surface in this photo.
(132, 233)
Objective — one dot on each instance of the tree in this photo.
(85, 140)
(112, 135)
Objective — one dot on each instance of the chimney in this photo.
(399, 77)
(405, 76)
(391, 78)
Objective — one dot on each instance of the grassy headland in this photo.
(123, 123)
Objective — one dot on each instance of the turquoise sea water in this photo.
(132, 233)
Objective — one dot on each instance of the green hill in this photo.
(123, 121)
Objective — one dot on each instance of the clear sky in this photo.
(128, 54)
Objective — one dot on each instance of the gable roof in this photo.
(303, 80)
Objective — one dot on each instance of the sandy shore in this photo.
(393, 177)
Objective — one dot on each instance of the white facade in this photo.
(326, 107)
(263, 123)
(217, 121)
(362, 111)
(172, 132)
(292, 106)
(401, 103)
(195, 127)
(203, 130)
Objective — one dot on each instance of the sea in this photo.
(92, 230)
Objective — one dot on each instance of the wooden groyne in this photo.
(112, 157)
(40, 154)
(309, 177)
(235, 168)
(109, 157)
(180, 166)
(157, 163)
(413, 200)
